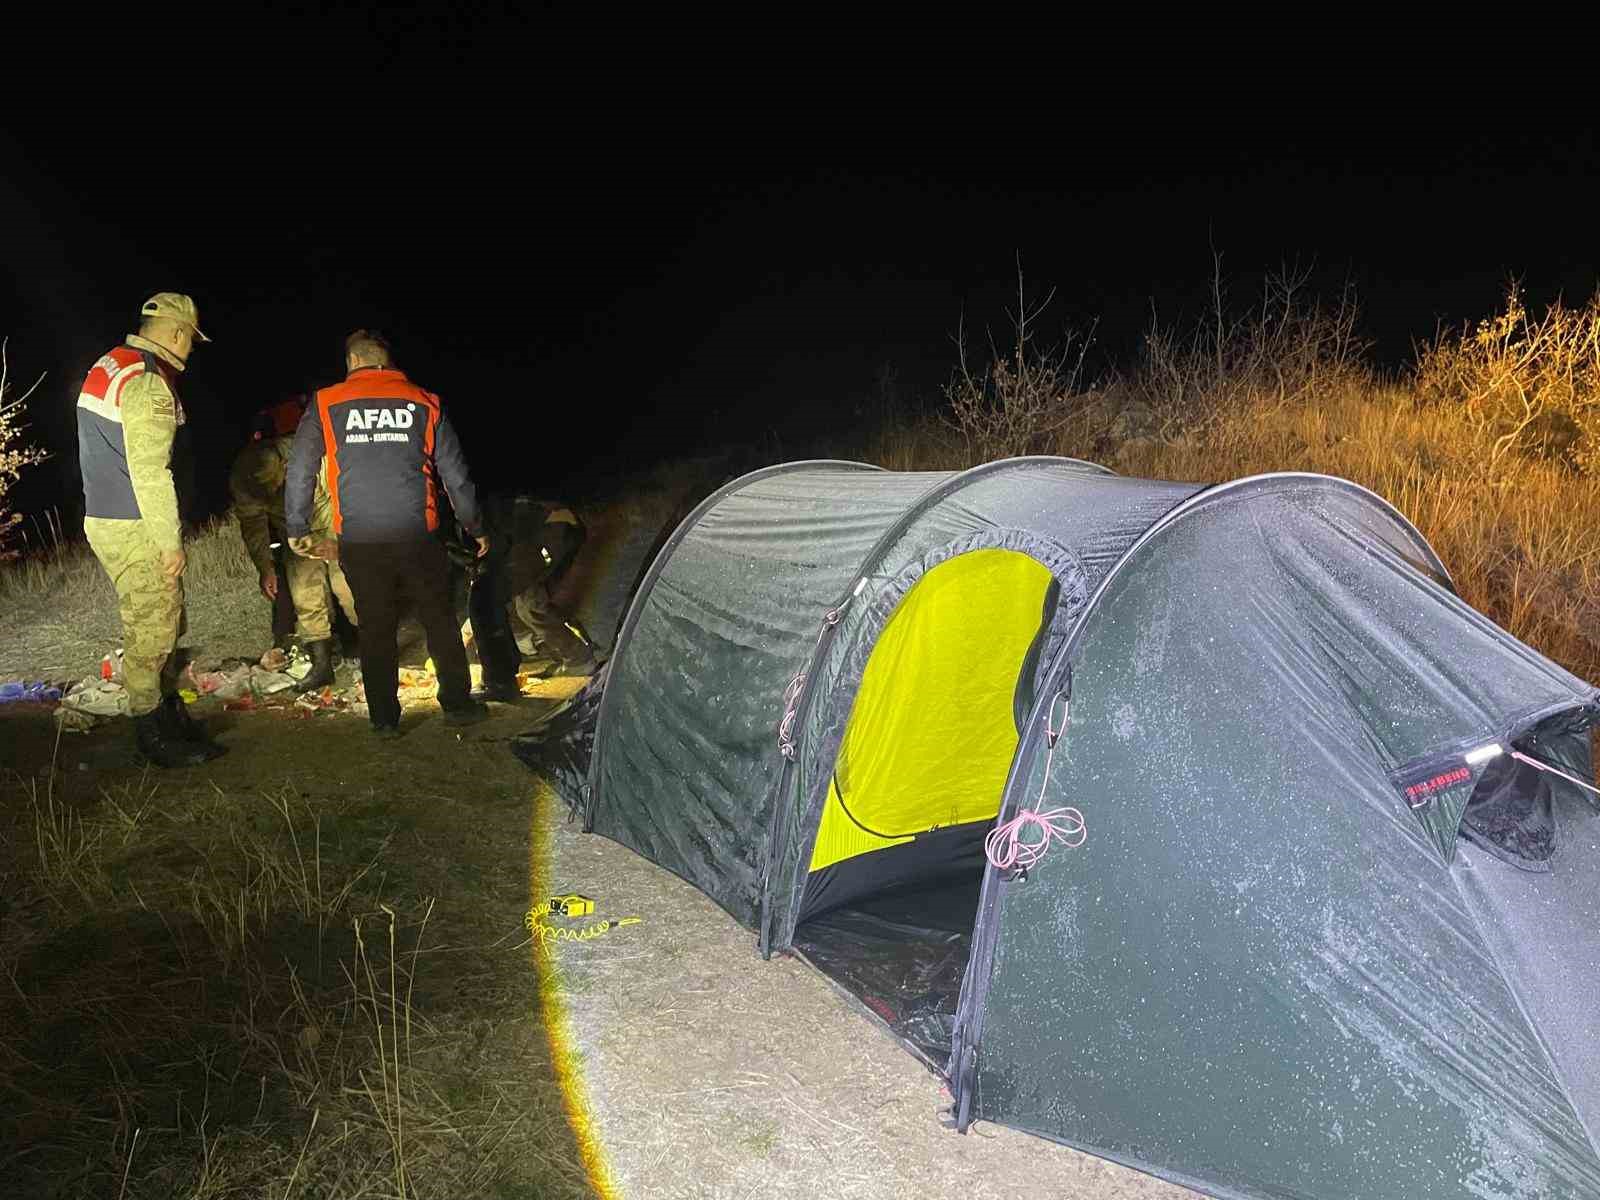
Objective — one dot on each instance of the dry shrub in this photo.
(1469, 444)
(15, 453)
(1526, 386)
(1018, 402)
(1288, 349)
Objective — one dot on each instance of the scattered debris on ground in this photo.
(267, 684)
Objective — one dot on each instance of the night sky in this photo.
(591, 300)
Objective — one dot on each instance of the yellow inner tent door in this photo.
(933, 729)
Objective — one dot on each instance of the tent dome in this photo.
(1334, 924)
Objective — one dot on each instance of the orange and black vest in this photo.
(389, 447)
(102, 452)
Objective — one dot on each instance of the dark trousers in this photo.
(381, 577)
(491, 628)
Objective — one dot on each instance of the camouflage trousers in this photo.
(541, 628)
(311, 580)
(150, 603)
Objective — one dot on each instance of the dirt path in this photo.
(710, 1073)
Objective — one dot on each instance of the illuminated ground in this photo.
(710, 1073)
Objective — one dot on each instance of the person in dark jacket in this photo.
(387, 444)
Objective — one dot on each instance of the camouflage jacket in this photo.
(257, 485)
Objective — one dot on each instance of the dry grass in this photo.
(61, 611)
(205, 994)
(1464, 443)
(1519, 544)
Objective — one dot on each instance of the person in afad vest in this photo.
(128, 416)
(385, 445)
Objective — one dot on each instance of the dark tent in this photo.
(1331, 924)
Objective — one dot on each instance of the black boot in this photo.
(179, 725)
(157, 746)
(497, 651)
(321, 666)
(499, 691)
(470, 713)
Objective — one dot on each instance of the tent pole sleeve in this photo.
(963, 1068)
(779, 803)
(794, 708)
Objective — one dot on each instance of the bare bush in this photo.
(1287, 349)
(1019, 401)
(15, 453)
(1524, 384)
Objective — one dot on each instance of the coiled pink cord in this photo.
(1007, 848)
(1005, 845)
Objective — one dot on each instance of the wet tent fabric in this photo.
(684, 769)
(1074, 521)
(684, 763)
(561, 743)
(1320, 940)
(1264, 973)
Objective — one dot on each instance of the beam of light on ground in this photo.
(565, 1057)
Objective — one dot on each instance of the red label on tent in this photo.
(1419, 792)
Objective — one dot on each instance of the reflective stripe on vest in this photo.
(102, 390)
(102, 451)
(101, 393)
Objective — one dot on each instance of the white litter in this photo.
(267, 683)
(90, 700)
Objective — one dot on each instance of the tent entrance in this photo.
(892, 890)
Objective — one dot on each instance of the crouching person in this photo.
(512, 609)
(257, 484)
(385, 442)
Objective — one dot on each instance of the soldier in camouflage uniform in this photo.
(128, 415)
(257, 485)
(547, 540)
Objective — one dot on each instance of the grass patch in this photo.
(61, 610)
(212, 992)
